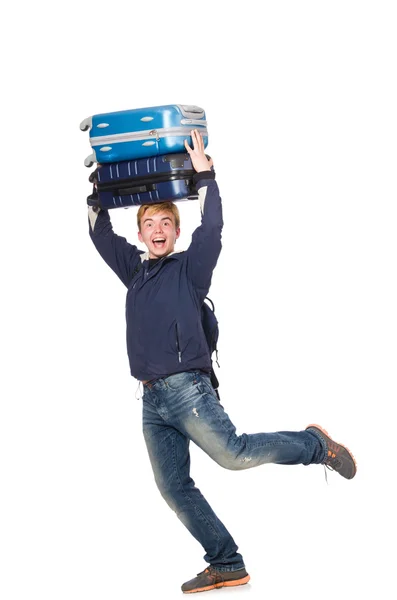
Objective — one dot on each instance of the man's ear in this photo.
(178, 233)
(140, 236)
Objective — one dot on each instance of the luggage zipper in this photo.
(147, 134)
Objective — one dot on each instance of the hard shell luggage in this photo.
(142, 132)
(143, 181)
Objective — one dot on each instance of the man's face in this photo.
(158, 233)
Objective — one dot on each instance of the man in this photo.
(168, 352)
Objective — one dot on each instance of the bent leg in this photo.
(202, 418)
(170, 459)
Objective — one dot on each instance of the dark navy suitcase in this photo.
(143, 181)
(142, 132)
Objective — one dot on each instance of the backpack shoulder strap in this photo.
(210, 323)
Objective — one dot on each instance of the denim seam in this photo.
(215, 414)
(196, 508)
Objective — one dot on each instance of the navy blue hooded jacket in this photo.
(163, 305)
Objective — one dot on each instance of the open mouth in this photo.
(159, 242)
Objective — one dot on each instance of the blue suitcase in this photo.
(143, 181)
(142, 132)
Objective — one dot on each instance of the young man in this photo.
(168, 352)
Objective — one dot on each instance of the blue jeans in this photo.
(184, 407)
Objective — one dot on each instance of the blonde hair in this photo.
(156, 208)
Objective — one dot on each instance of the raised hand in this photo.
(197, 155)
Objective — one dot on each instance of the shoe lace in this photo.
(332, 464)
(213, 572)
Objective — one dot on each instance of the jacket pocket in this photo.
(178, 342)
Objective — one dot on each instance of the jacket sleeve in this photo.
(204, 250)
(121, 256)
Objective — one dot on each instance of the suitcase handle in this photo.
(138, 189)
(93, 199)
(191, 111)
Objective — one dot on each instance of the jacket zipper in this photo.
(150, 271)
(147, 134)
(178, 348)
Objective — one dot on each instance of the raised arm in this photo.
(204, 250)
(121, 256)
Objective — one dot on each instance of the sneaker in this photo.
(211, 578)
(338, 458)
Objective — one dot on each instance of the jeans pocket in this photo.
(179, 381)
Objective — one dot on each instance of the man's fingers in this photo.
(200, 140)
(197, 155)
(197, 138)
(194, 139)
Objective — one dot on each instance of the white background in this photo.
(301, 106)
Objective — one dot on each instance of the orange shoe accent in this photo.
(242, 581)
(221, 584)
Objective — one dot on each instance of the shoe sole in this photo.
(325, 432)
(221, 584)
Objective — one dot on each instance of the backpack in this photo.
(211, 330)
